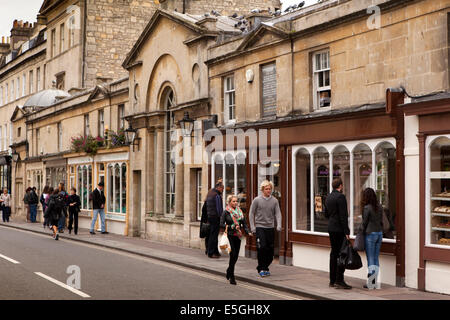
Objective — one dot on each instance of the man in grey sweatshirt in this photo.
(263, 213)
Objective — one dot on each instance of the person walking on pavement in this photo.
(204, 220)
(55, 211)
(62, 219)
(98, 199)
(234, 221)
(214, 208)
(5, 203)
(337, 213)
(264, 210)
(42, 198)
(33, 201)
(26, 199)
(46, 201)
(373, 229)
(74, 208)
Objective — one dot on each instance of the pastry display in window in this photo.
(442, 209)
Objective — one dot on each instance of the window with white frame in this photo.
(84, 185)
(121, 117)
(38, 79)
(71, 31)
(360, 165)
(24, 81)
(62, 34)
(53, 43)
(198, 176)
(321, 80)
(30, 82)
(117, 188)
(87, 130)
(170, 138)
(5, 136)
(229, 97)
(38, 151)
(60, 137)
(11, 97)
(230, 167)
(101, 123)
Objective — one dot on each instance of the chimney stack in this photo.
(20, 33)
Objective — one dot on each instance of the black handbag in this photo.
(204, 229)
(349, 257)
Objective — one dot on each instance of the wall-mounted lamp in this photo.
(131, 137)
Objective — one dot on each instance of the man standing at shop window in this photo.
(336, 212)
(98, 203)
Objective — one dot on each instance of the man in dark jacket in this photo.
(33, 201)
(214, 207)
(337, 213)
(99, 200)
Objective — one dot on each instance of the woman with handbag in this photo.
(372, 227)
(235, 223)
(5, 202)
(74, 208)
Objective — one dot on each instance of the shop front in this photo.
(5, 172)
(86, 172)
(363, 146)
(428, 120)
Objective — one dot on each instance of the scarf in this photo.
(236, 215)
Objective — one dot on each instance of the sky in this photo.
(27, 10)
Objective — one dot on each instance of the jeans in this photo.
(336, 272)
(33, 212)
(235, 244)
(213, 240)
(265, 247)
(62, 221)
(102, 219)
(373, 245)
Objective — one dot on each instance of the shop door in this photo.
(271, 171)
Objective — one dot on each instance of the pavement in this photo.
(302, 282)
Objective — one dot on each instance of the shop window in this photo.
(321, 188)
(438, 194)
(171, 138)
(117, 188)
(198, 188)
(302, 205)
(231, 168)
(84, 187)
(355, 170)
(362, 175)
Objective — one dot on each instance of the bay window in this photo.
(84, 181)
(353, 162)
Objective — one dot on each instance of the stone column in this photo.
(159, 172)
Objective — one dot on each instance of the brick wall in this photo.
(113, 26)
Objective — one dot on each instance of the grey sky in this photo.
(27, 10)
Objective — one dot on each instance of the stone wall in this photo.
(113, 26)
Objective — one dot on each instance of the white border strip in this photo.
(9, 259)
(63, 285)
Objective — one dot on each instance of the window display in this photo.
(439, 190)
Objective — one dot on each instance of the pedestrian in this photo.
(234, 221)
(26, 199)
(42, 198)
(74, 208)
(264, 210)
(33, 201)
(98, 201)
(62, 220)
(5, 203)
(46, 201)
(204, 221)
(372, 226)
(337, 213)
(55, 211)
(214, 207)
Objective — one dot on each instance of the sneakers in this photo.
(267, 273)
(262, 274)
(56, 236)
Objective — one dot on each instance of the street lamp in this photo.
(187, 125)
(130, 136)
(15, 156)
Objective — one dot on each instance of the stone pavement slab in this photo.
(304, 282)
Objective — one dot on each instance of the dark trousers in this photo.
(336, 272)
(213, 240)
(33, 212)
(6, 212)
(265, 247)
(235, 244)
(62, 221)
(73, 219)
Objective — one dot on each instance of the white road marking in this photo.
(9, 259)
(65, 286)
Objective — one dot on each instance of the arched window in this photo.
(84, 185)
(321, 187)
(117, 188)
(302, 204)
(171, 138)
(362, 179)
